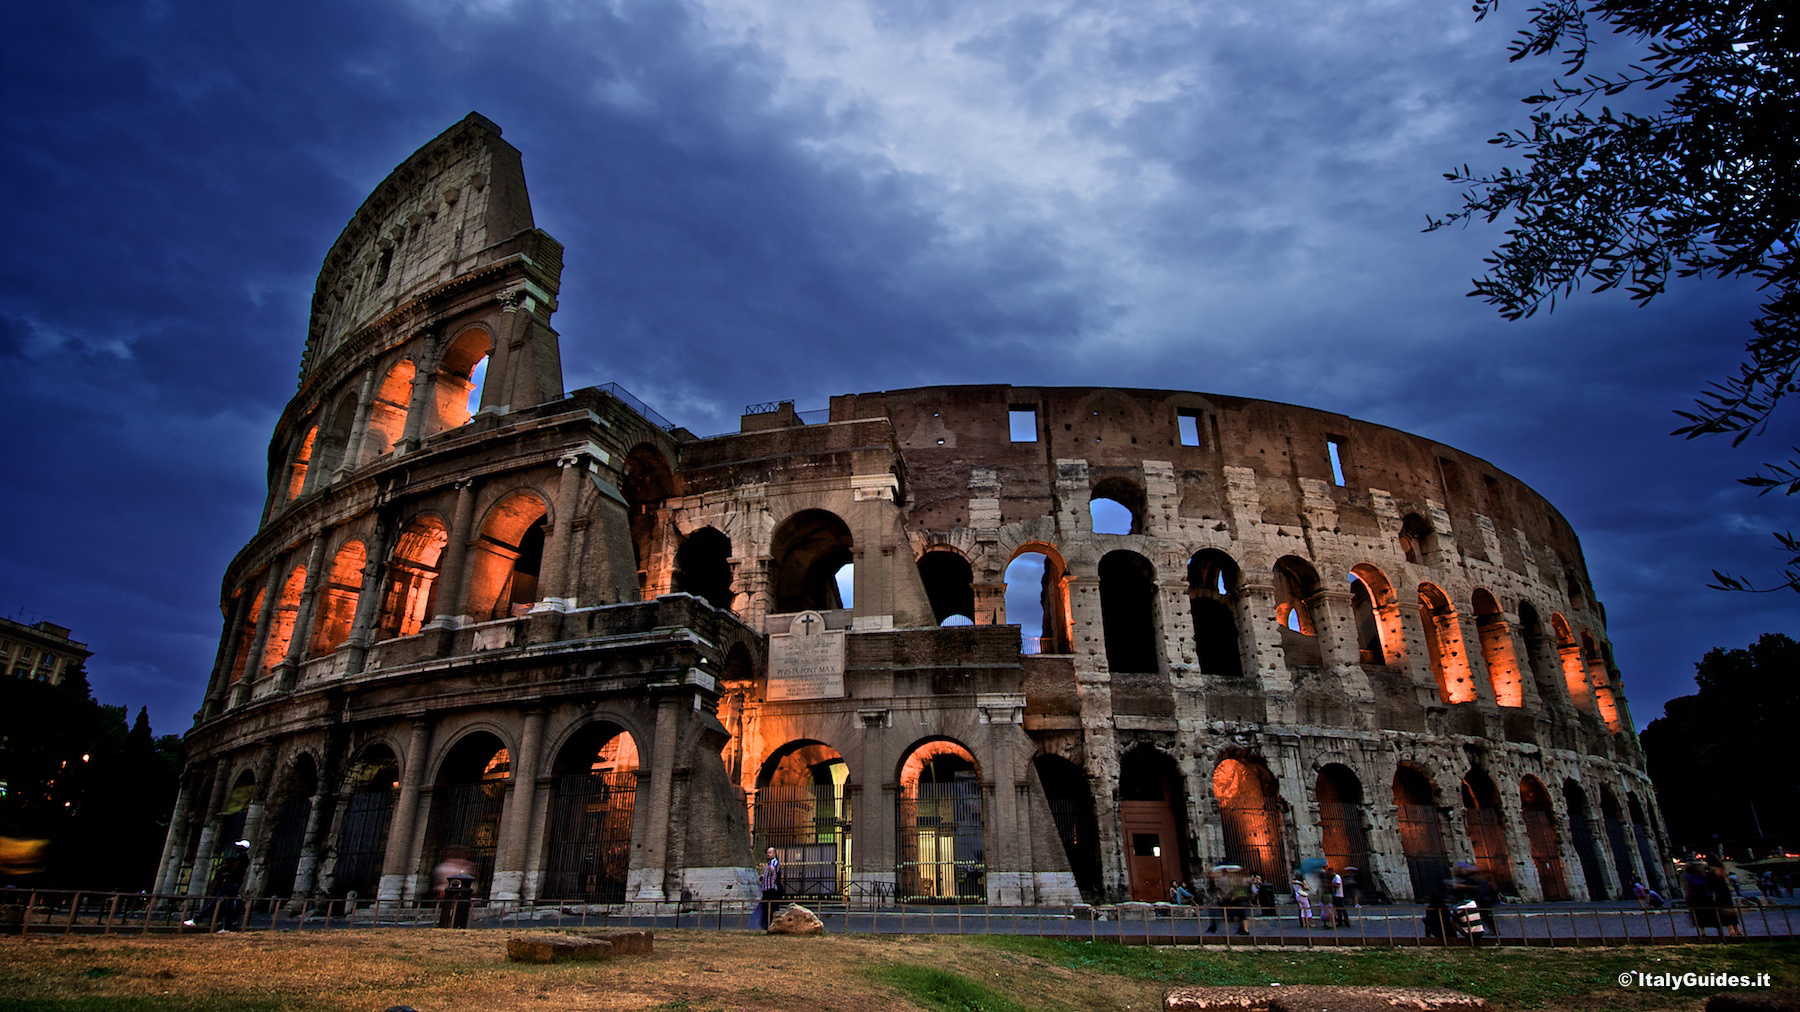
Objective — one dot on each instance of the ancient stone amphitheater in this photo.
(1012, 645)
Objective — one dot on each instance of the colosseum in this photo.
(973, 644)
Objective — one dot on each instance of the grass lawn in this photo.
(698, 970)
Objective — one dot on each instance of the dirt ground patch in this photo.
(431, 970)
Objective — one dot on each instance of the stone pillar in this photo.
(555, 588)
(253, 820)
(306, 877)
(515, 819)
(299, 643)
(1418, 662)
(397, 863)
(656, 792)
(234, 629)
(990, 603)
(368, 599)
(253, 660)
(359, 431)
(418, 405)
(209, 828)
(509, 334)
(175, 840)
(1008, 838)
(455, 560)
(1334, 623)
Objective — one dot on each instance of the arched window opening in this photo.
(1574, 669)
(1495, 634)
(465, 812)
(503, 581)
(949, 586)
(287, 833)
(374, 783)
(1486, 824)
(1116, 506)
(1572, 580)
(337, 598)
(1212, 601)
(1296, 584)
(1128, 612)
(302, 461)
(1444, 646)
(1152, 810)
(1421, 832)
(281, 622)
(942, 849)
(1250, 817)
(1540, 832)
(333, 446)
(803, 811)
(240, 657)
(1072, 809)
(1614, 818)
(1531, 629)
(1342, 828)
(387, 415)
(1599, 682)
(805, 556)
(461, 375)
(1640, 829)
(593, 801)
(703, 567)
(648, 482)
(1418, 542)
(412, 574)
(1581, 833)
(1037, 601)
(1379, 625)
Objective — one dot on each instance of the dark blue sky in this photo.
(791, 199)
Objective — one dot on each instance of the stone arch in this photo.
(1497, 652)
(1444, 649)
(282, 619)
(1123, 495)
(592, 807)
(1485, 819)
(1343, 828)
(1581, 834)
(648, 483)
(1380, 636)
(803, 811)
(1153, 817)
(1250, 816)
(1540, 833)
(1421, 830)
(337, 596)
(468, 794)
(1129, 618)
(457, 384)
(412, 575)
(941, 823)
(507, 556)
(386, 422)
(1038, 564)
(1612, 816)
(372, 787)
(805, 554)
(1418, 542)
(1568, 651)
(300, 462)
(949, 585)
(1640, 827)
(246, 631)
(1599, 682)
(1296, 585)
(703, 567)
(234, 813)
(332, 447)
(1071, 801)
(1213, 596)
(1531, 629)
(287, 826)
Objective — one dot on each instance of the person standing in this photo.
(769, 880)
(1303, 899)
(1340, 911)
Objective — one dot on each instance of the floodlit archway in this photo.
(1444, 648)
(1379, 627)
(506, 559)
(941, 822)
(466, 802)
(373, 781)
(1486, 823)
(593, 802)
(1540, 831)
(281, 621)
(1421, 832)
(1250, 817)
(1502, 661)
(1037, 599)
(387, 415)
(412, 575)
(803, 811)
(457, 385)
(337, 599)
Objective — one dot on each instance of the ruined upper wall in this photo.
(440, 214)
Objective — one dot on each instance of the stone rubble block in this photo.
(557, 949)
(795, 919)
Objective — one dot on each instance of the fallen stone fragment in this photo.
(1317, 998)
(795, 919)
(625, 941)
(556, 949)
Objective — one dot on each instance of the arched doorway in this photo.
(1037, 599)
(1421, 832)
(805, 555)
(1342, 829)
(1151, 807)
(942, 852)
(1072, 809)
(1212, 602)
(803, 811)
(466, 802)
(1250, 817)
(1581, 833)
(1486, 824)
(287, 836)
(374, 783)
(1640, 827)
(1614, 817)
(1540, 830)
(592, 804)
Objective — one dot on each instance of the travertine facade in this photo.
(547, 637)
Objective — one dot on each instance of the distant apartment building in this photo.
(42, 651)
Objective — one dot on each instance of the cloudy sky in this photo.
(788, 199)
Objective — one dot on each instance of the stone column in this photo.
(234, 629)
(359, 431)
(424, 381)
(656, 787)
(253, 820)
(306, 877)
(300, 642)
(368, 599)
(1009, 873)
(1334, 623)
(515, 819)
(449, 603)
(554, 587)
(209, 828)
(397, 864)
(175, 840)
(253, 660)
(508, 335)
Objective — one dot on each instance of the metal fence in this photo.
(64, 912)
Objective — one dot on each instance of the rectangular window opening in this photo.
(1334, 445)
(1187, 423)
(1022, 418)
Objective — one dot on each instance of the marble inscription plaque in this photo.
(807, 661)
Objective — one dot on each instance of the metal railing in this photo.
(46, 911)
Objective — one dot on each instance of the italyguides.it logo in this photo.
(1677, 981)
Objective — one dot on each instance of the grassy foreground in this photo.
(697, 970)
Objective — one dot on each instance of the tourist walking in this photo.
(768, 879)
(1303, 899)
(1340, 910)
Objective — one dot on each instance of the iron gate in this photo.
(1422, 840)
(286, 841)
(1487, 834)
(1346, 838)
(1076, 827)
(465, 818)
(362, 842)
(809, 827)
(590, 837)
(1253, 839)
(942, 854)
(1540, 829)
